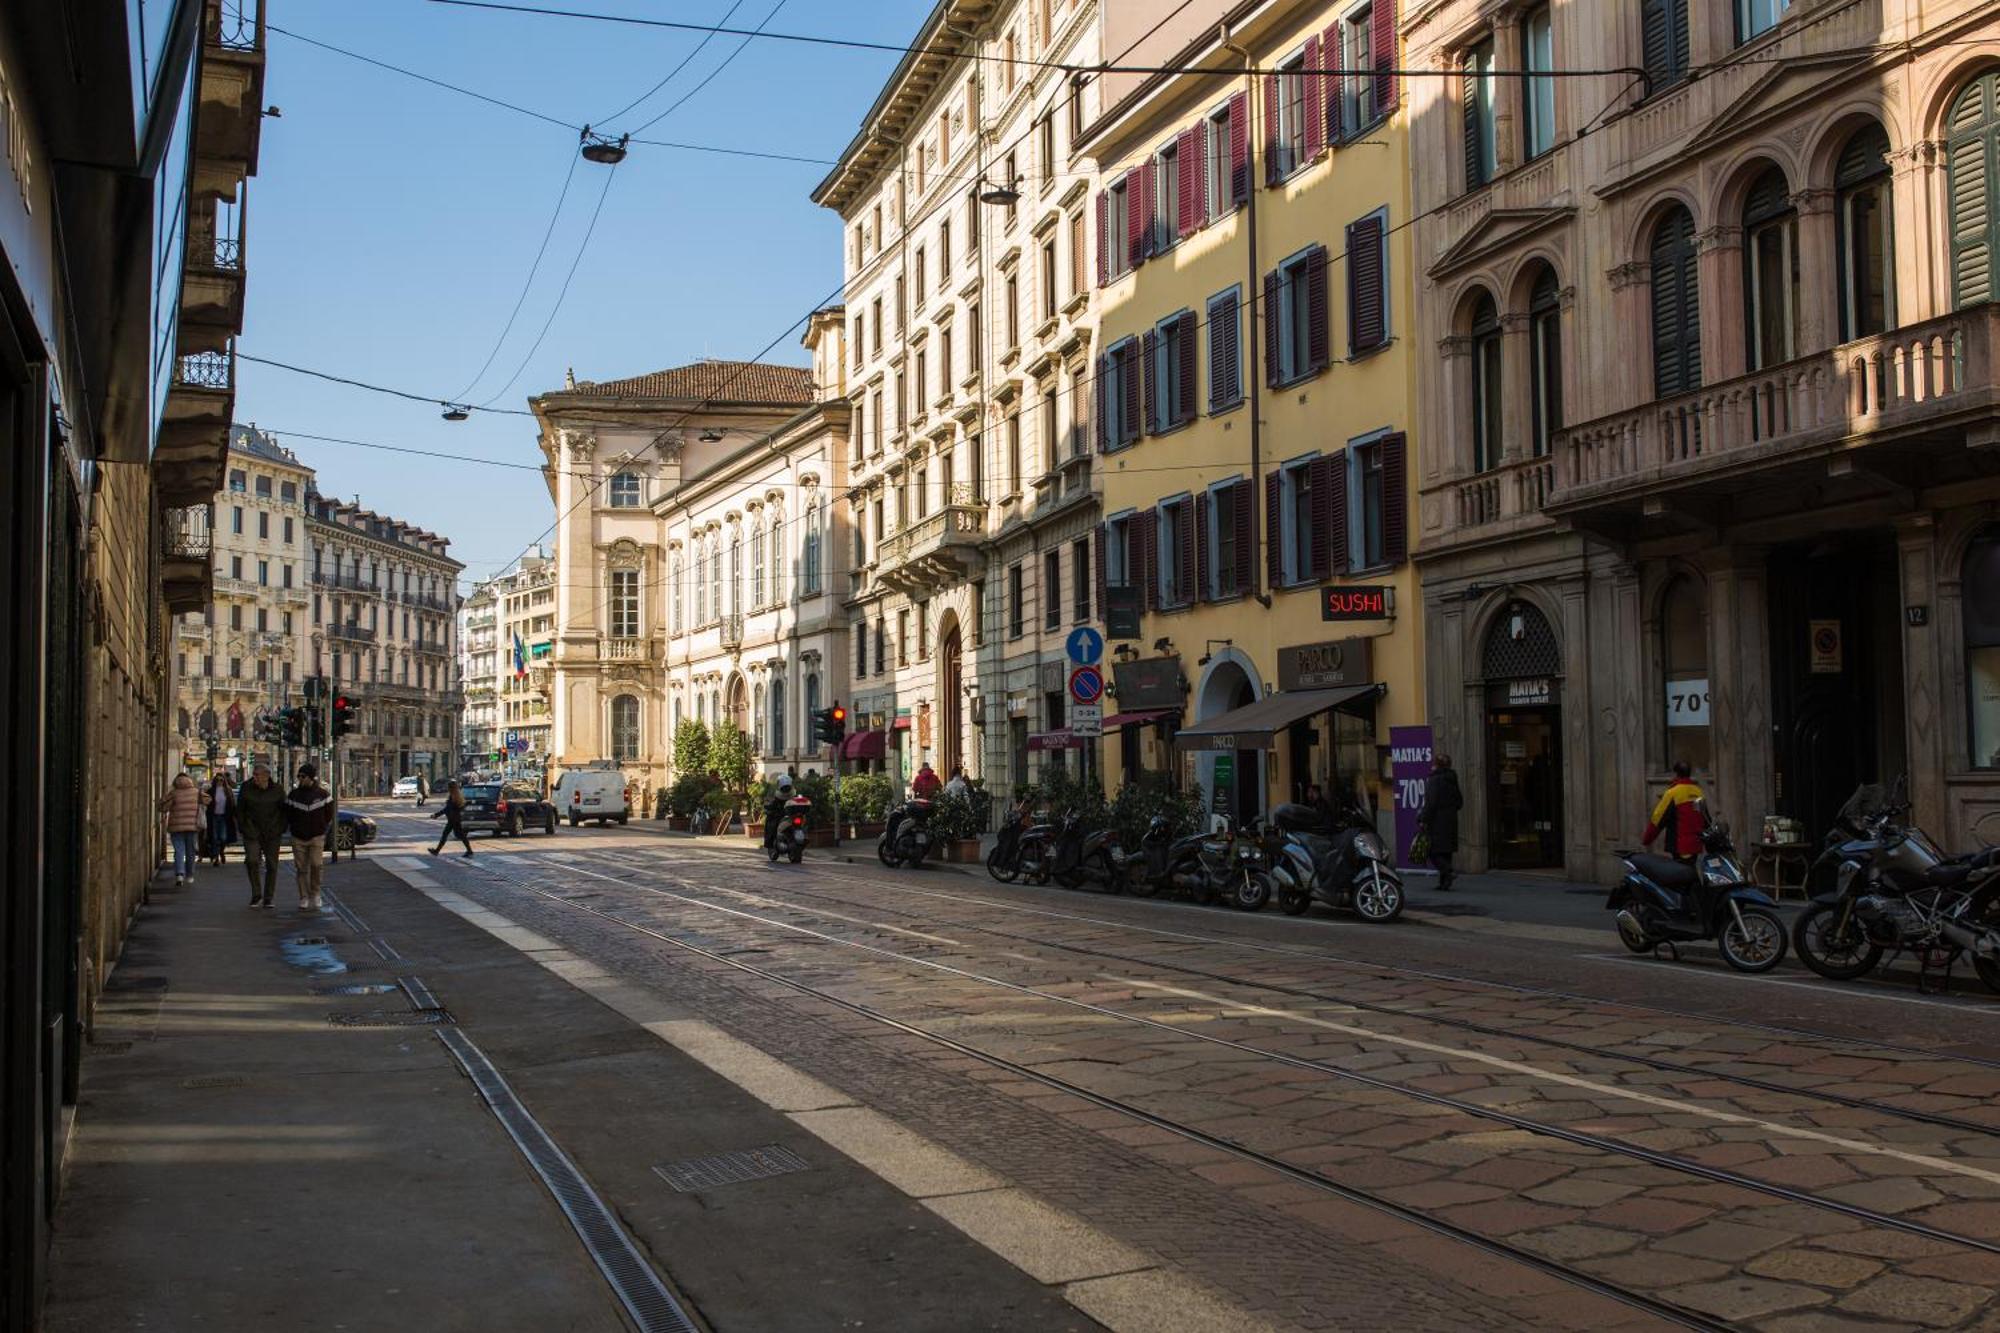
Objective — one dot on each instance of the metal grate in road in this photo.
(421, 996)
(641, 1289)
(388, 1018)
(215, 1081)
(731, 1168)
(357, 988)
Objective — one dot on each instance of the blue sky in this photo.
(391, 225)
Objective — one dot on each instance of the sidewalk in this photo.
(244, 1160)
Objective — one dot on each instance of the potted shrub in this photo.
(864, 803)
(753, 810)
(955, 824)
(818, 788)
(685, 797)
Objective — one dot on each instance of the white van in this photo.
(593, 793)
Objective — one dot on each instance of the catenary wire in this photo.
(709, 77)
(582, 248)
(527, 284)
(673, 73)
(377, 388)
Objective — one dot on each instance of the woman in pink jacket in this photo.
(182, 807)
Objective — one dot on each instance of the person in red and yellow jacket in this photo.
(1678, 816)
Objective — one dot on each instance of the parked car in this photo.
(404, 787)
(353, 830)
(506, 807)
(593, 793)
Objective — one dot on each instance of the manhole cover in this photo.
(358, 988)
(389, 1018)
(215, 1081)
(730, 1168)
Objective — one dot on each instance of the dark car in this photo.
(506, 807)
(351, 830)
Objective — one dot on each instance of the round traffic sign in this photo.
(1085, 645)
(1086, 684)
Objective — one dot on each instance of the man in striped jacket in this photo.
(308, 812)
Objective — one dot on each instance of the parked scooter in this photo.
(1662, 902)
(906, 838)
(789, 839)
(1345, 865)
(1004, 861)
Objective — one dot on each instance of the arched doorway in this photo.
(1233, 779)
(951, 699)
(738, 713)
(1521, 661)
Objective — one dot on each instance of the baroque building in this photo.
(524, 600)
(1708, 386)
(480, 654)
(384, 626)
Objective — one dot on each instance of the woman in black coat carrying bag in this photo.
(1439, 818)
(453, 815)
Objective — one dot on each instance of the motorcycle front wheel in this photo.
(1101, 867)
(1002, 869)
(1253, 890)
(1835, 952)
(1294, 902)
(1378, 898)
(1757, 944)
(887, 857)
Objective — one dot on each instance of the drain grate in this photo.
(421, 996)
(358, 988)
(215, 1081)
(731, 1168)
(635, 1281)
(388, 1018)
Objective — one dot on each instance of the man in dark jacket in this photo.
(260, 814)
(1439, 816)
(308, 813)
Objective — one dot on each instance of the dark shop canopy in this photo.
(865, 745)
(1256, 726)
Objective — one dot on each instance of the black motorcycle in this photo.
(1018, 836)
(1881, 884)
(785, 829)
(1663, 901)
(906, 838)
(1336, 855)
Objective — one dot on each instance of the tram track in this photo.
(1913, 1114)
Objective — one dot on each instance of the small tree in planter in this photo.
(955, 823)
(691, 748)
(686, 796)
(729, 759)
(864, 801)
(753, 812)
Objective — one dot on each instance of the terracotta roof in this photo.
(725, 381)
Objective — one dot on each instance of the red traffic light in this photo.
(839, 713)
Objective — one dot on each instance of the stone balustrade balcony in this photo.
(936, 551)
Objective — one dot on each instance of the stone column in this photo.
(1920, 273)
(1739, 685)
(1507, 94)
(1578, 761)
(1624, 710)
(1719, 266)
(1819, 273)
(1517, 388)
(1924, 689)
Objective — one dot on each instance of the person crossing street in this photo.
(452, 812)
(308, 813)
(260, 817)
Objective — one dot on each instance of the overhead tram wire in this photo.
(582, 249)
(709, 77)
(673, 73)
(377, 388)
(562, 197)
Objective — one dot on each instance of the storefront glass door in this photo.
(1524, 788)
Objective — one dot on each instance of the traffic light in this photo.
(343, 716)
(830, 724)
(292, 727)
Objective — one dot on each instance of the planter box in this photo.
(819, 837)
(754, 829)
(867, 830)
(678, 823)
(962, 851)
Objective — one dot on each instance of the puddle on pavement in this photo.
(313, 954)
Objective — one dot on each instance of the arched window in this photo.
(677, 591)
(1770, 271)
(1980, 587)
(1676, 306)
(714, 576)
(1545, 360)
(625, 729)
(777, 554)
(811, 553)
(1867, 296)
(735, 575)
(1486, 385)
(778, 715)
(625, 491)
(756, 720)
(756, 562)
(1972, 174)
(1684, 670)
(812, 693)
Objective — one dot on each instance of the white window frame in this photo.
(1167, 563)
(1294, 338)
(1215, 163)
(1294, 566)
(624, 604)
(1118, 549)
(1357, 502)
(1165, 373)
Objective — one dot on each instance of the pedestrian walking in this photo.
(308, 813)
(423, 792)
(1438, 817)
(1681, 815)
(260, 816)
(220, 805)
(453, 815)
(182, 807)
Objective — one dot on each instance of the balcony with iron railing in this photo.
(212, 282)
(187, 550)
(345, 583)
(229, 126)
(936, 551)
(192, 445)
(351, 633)
(430, 647)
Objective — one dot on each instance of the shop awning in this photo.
(1060, 739)
(865, 745)
(1117, 720)
(1256, 726)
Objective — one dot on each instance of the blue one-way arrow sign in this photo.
(1085, 645)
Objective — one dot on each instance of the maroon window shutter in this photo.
(1318, 343)
(1190, 567)
(1187, 154)
(1135, 220)
(1395, 503)
(1322, 517)
(1336, 84)
(1139, 558)
(1195, 168)
(1103, 237)
(1334, 472)
(1366, 326)
(1382, 45)
(1103, 571)
(1270, 139)
(1185, 403)
(1239, 495)
(1315, 97)
(1151, 344)
(1269, 315)
(1196, 589)
(1103, 417)
(1128, 381)
(1239, 148)
(1225, 354)
(1274, 546)
(1149, 240)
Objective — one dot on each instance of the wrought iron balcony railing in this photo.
(206, 370)
(188, 533)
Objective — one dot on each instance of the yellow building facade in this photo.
(1254, 406)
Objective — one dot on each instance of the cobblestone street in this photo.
(1327, 1124)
